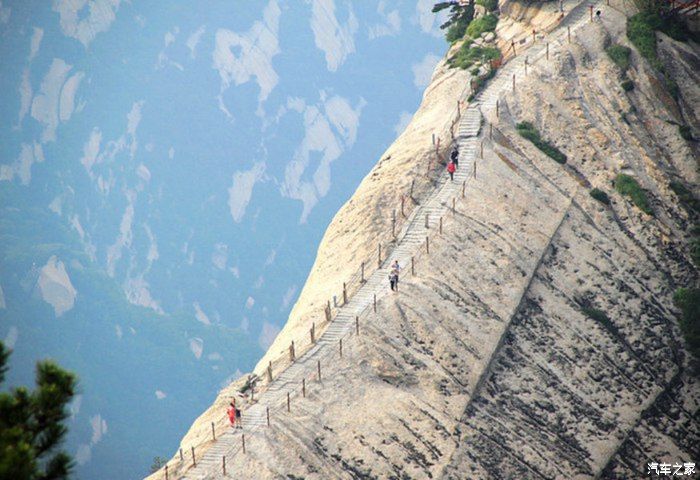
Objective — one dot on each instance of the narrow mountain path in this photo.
(410, 240)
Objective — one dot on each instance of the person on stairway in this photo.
(231, 412)
(451, 170)
(454, 156)
(396, 270)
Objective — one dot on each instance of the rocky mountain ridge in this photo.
(538, 339)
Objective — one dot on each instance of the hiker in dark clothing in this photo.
(394, 276)
(454, 156)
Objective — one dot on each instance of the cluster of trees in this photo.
(459, 17)
(32, 423)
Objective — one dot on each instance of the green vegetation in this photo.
(627, 85)
(628, 186)
(685, 132)
(600, 195)
(688, 300)
(158, 463)
(489, 5)
(468, 56)
(487, 23)
(641, 30)
(458, 20)
(457, 30)
(479, 83)
(527, 130)
(600, 317)
(620, 55)
(462, 24)
(686, 197)
(32, 424)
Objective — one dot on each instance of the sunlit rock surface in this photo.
(489, 362)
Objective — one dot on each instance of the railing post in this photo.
(402, 211)
(427, 245)
(213, 433)
(289, 403)
(497, 109)
(475, 169)
(513, 82)
(379, 255)
(490, 131)
(327, 311)
(362, 272)
(223, 463)
(318, 368)
(166, 472)
(269, 372)
(413, 270)
(312, 334)
(182, 457)
(481, 151)
(512, 44)
(303, 387)
(267, 414)
(194, 460)
(243, 441)
(547, 51)
(345, 294)
(374, 303)
(464, 185)
(340, 346)
(291, 351)
(433, 139)
(533, 35)
(426, 221)
(590, 7)
(440, 225)
(357, 325)
(568, 33)
(459, 111)
(525, 64)
(410, 194)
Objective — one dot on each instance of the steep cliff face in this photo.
(354, 233)
(538, 338)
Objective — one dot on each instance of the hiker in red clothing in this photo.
(451, 170)
(231, 412)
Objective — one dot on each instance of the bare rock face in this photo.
(54, 286)
(538, 339)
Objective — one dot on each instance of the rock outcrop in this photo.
(538, 339)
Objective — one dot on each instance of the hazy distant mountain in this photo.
(167, 172)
